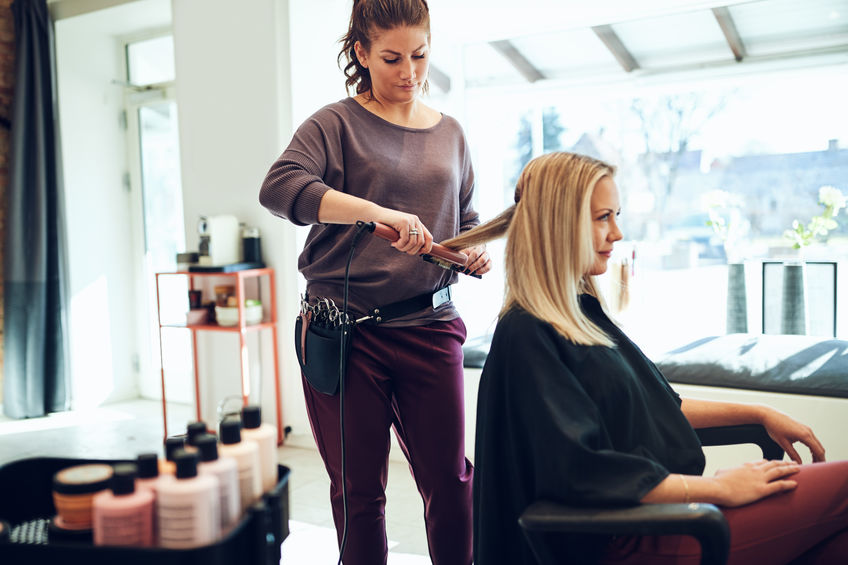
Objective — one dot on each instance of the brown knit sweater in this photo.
(426, 172)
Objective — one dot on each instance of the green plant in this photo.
(803, 235)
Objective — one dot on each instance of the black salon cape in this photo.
(581, 425)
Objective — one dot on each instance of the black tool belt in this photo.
(401, 308)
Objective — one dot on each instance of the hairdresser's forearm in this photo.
(708, 413)
(340, 208)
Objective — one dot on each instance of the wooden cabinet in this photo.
(258, 280)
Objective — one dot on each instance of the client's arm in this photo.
(782, 429)
(733, 487)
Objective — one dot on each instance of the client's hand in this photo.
(479, 261)
(755, 480)
(786, 431)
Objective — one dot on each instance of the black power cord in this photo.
(361, 228)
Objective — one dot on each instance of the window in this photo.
(762, 145)
(151, 61)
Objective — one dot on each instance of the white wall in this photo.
(316, 80)
(233, 97)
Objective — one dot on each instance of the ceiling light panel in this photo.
(689, 38)
(776, 27)
(567, 54)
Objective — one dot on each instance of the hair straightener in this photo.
(439, 254)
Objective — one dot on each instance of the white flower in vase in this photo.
(803, 235)
(727, 220)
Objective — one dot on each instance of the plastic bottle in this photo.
(187, 508)
(123, 515)
(147, 465)
(265, 436)
(225, 469)
(172, 444)
(246, 455)
(193, 431)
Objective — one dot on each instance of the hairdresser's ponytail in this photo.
(493, 229)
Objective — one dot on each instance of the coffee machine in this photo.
(220, 241)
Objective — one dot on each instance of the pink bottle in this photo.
(265, 437)
(225, 469)
(187, 508)
(123, 515)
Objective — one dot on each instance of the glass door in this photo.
(154, 181)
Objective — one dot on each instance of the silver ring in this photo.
(413, 232)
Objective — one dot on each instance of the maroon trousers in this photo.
(804, 526)
(411, 379)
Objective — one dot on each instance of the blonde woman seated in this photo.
(571, 410)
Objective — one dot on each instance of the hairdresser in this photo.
(571, 410)
(384, 156)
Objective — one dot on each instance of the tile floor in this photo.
(125, 429)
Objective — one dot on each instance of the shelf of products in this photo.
(243, 317)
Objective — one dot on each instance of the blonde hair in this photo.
(549, 245)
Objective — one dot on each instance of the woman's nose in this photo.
(615, 233)
(407, 69)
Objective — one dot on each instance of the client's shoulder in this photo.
(519, 324)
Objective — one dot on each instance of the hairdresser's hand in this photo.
(479, 261)
(752, 481)
(414, 238)
(786, 431)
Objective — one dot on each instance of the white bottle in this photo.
(123, 515)
(265, 436)
(187, 508)
(172, 445)
(193, 431)
(225, 469)
(246, 455)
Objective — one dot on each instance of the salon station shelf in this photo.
(257, 279)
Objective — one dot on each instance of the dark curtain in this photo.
(35, 329)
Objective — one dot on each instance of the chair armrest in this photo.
(747, 433)
(704, 522)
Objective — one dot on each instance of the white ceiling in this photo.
(561, 39)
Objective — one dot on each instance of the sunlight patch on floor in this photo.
(64, 420)
(313, 544)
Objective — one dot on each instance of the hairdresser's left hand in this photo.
(786, 431)
(479, 262)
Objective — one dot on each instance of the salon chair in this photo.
(704, 522)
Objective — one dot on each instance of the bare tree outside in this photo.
(552, 131)
(668, 125)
